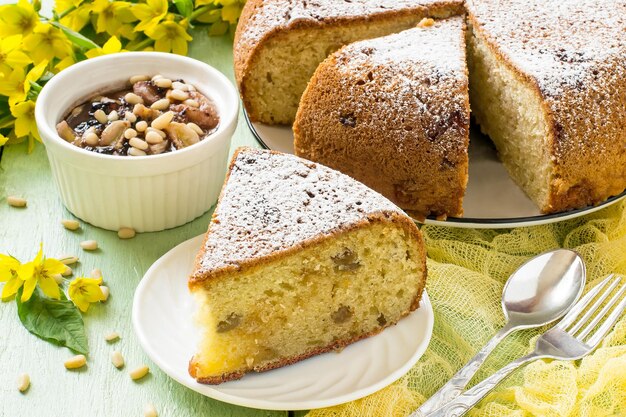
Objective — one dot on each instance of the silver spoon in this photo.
(539, 292)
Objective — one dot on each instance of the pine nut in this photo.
(191, 103)
(159, 132)
(113, 116)
(149, 411)
(68, 271)
(101, 116)
(23, 382)
(162, 104)
(126, 233)
(130, 133)
(58, 278)
(136, 78)
(138, 143)
(139, 372)
(68, 259)
(75, 362)
(110, 337)
(163, 120)
(92, 139)
(117, 359)
(156, 77)
(190, 87)
(130, 117)
(179, 95)
(96, 273)
(132, 98)
(196, 128)
(153, 138)
(141, 126)
(163, 82)
(105, 292)
(70, 224)
(178, 85)
(15, 201)
(89, 245)
(136, 152)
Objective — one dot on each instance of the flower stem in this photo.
(198, 12)
(143, 44)
(65, 13)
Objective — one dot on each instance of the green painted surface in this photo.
(100, 389)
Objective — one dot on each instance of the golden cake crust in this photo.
(573, 53)
(393, 112)
(263, 20)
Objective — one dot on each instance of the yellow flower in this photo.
(20, 18)
(111, 46)
(231, 12)
(76, 19)
(170, 37)
(40, 271)
(62, 5)
(24, 114)
(84, 291)
(10, 54)
(8, 274)
(17, 85)
(47, 42)
(149, 14)
(3, 139)
(65, 62)
(111, 15)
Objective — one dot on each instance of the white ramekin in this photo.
(147, 193)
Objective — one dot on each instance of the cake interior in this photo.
(509, 110)
(286, 64)
(324, 296)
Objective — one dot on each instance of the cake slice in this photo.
(393, 113)
(279, 43)
(548, 85)
(298, 260)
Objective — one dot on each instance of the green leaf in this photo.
(185, 7)
(56, 321)
(79, 40)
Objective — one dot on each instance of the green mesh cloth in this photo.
(467, 270)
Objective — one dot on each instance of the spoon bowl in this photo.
(543, 289)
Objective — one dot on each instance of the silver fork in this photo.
(565, 341)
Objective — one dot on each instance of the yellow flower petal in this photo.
(29, 287)
(11, 287)
(49, 287)
(3, 139)
(112, 45)
(26, 271)
(53, 266)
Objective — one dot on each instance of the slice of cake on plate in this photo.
(548, 85)
(279, 43)
(298, 260)
(393, 112)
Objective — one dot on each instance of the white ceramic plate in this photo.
(492, 200)
(163, 320)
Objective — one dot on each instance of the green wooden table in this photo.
(99, 389)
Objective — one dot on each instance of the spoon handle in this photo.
(457, 383)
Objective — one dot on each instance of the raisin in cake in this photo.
(393, 112)
(299, 259)
(279, 43)
(548, 85)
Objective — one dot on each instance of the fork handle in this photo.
(471, 397)
(457, 383)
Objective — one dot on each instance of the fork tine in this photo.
(581, 321)
(582, 304)
(610, 321)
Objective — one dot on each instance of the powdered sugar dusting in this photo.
(559, 43)
(274, 14)
(273, 201)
